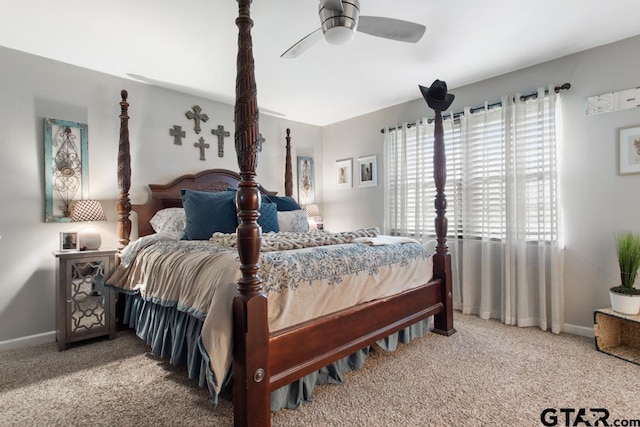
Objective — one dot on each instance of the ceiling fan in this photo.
(341, 18)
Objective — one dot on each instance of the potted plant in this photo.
(625, 298)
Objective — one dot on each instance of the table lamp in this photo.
(313, 213)
(87, 211)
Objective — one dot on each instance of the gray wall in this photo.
(597, 201)
(32, 88)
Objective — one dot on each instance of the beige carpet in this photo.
(487, 374)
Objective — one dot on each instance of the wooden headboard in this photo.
(168, 195)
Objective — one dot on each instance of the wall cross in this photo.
(177, 133)
(197, 115)
(201, 145)
(220, 133)
(260, 141)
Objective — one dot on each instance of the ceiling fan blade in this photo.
(332, 5)
(389, 28)
(304, 44)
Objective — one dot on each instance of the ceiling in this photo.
(191, 46)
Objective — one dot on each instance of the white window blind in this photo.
(485, 166)
(536, 168)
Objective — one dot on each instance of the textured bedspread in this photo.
(199, 277)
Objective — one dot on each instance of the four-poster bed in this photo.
(266, 359)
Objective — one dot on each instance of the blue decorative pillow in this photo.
(208, 213)
(285, 203)
(268, 218)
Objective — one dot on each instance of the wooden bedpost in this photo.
(288, 173)
(439, 100)
(443, 322)
(124, 174)
(251, 390)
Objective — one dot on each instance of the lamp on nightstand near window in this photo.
(314, 218)
(88, 211)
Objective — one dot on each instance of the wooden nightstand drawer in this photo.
(85, 307)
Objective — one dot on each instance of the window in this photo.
(501, 169)
(410, 189)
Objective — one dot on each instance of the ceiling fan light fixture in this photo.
(339, 35)
(340, 19)
(339, 26)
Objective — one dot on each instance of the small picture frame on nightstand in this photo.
(68, 241)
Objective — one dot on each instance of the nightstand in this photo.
(85, 307)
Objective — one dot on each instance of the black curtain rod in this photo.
(565, 86)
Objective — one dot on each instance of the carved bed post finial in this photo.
(124, 174)
(288, 174)
(439, 100)
(251, 378)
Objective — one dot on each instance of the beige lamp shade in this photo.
(87, 211)
(313, 210)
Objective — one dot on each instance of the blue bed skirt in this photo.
(175, 335)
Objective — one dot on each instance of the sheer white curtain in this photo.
(503, 206)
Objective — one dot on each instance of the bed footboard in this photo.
(340, 334)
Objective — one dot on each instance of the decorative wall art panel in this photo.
(306, 181)
(66, 163)
(613, 101)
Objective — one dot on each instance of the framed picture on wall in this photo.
(367, 171)
(629, 150)
(306, 181)
(344, 173)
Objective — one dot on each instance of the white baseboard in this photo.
(28, 341)
(578, 330)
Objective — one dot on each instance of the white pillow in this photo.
(169, 220)
(295, 221)
(131, 250)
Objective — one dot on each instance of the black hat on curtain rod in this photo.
(436, 95)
